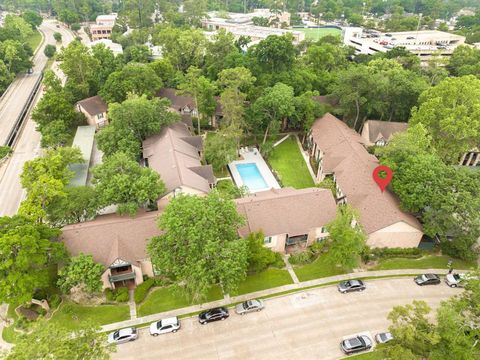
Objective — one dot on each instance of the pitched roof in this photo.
(352, 165)
(84, 140)
(93, 105)
(174, 155)
(383, 130)
(110, 237)
(286, 211)
(178, 101)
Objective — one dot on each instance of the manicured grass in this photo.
(267, 279)
(34, 40)
(71, 315)
(317, 33)
(426, 262)
(319, 268)
(371, 355)
(166, 298)
(290, 166)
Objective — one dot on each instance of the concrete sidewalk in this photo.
(259, 294)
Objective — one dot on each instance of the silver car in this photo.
(249, 306)
(123, 336)
(351, 285)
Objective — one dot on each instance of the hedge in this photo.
(141, 290)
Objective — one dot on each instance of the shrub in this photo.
(109, 294)
(41, 311)
(141, 290)
(121, 294)
(54, 300)
(49, 50)
(4, 151)
(387, 253)
(75, 27)
(57, 36)
(260, 257)
(301, 258)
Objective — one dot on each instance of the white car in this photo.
(164, 326)
(123, 336)
(382, 338)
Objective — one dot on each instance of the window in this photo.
(267, 240)
(321, 238)
(100, 116)
(323, 229)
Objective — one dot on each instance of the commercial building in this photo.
(102, 29)
(423, 43)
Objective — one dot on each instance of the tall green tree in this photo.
(346, 238)
(451, 113)
(81, 270)
(79, 204)
(27, 251)
(121, 181)
(50, 340)
(200, 247)
(135, 78)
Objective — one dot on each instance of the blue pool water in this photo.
(251, 176)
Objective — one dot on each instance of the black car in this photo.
(427, 279)
(356, 344)
(220, 313)
(351, 285)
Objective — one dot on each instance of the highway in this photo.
(306, 325)
(28, 143)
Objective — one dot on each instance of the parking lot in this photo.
(307, 325)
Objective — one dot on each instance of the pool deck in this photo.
(253, 156)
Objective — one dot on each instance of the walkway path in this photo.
(307, 160)
(268, 292)
(132, 305)
(290, 269)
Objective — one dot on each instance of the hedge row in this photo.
(141, 290)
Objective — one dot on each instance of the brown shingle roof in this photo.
(178, 101)
(286, 211)
(378, 130)
(93, 105)
(174, 155)
(110, 237)
(346, 158)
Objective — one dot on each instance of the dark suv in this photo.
(220, 313)
(427, 279)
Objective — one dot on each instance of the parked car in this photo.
(123, 336)
(220, 313)
(164, 326)
(457, 280)
(30, 71)
(410, 37)
(351, 285)
(356, 344)
(388, 35)
(382, 338)
(249, 306)
(427, 279)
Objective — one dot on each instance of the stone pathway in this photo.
(290, 269)
(268, 292)
(281, 140)
(306, 157)
(132, 305)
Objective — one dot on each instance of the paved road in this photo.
(28, 145)
(307, 325)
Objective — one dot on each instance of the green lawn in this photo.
(371, 355)
(315, 34)
(267, 279)
(71, 315)
(34, 40)
(290, 166)
(320, 268)
(426, 262)
(166, 298)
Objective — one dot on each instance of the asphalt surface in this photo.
(307, 325)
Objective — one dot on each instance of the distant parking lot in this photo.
(307, 325)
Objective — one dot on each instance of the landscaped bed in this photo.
(165, 299)
(319, 268)
(288, 163)
(267, 279)
(425, 262)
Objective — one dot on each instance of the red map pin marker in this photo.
(382, 182)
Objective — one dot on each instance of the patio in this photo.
(252, 172)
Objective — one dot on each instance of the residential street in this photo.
(307, 325)
(27, 147)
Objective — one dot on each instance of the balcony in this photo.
(123, 276)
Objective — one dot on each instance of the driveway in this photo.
(306, 325)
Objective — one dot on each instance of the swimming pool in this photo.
(251, 176)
